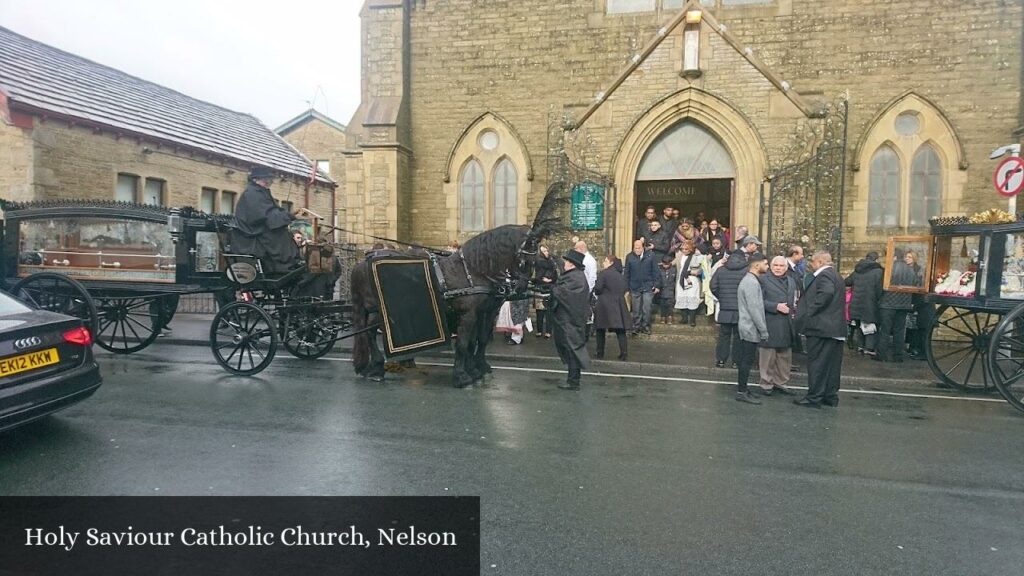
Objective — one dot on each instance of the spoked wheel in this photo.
(1006, 358)
(57, 293)
(308, 335)
(958, 342)
(243, 338)
(127, 325)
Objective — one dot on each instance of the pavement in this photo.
(630, 475)
(671, 351)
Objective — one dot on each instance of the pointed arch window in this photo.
(884, 189)
(471, 197)
(925, 186)
(506, 193)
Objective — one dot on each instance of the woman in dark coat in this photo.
(544, 275)
(866, 281)
(611, 312)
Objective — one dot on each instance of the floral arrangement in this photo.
(966, 284)
(993, 216)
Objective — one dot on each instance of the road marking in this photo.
(698, 381)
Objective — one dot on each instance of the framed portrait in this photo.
(907, 264)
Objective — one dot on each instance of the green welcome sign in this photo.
(588, 206)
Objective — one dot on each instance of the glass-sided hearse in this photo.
(119, 266)
(122, 267)
(970, 272)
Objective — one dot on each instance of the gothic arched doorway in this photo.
(689, 169)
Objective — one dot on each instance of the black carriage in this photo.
(122, 267)
(971, 275)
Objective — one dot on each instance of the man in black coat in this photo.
(724, 285)
(642, 228)
(821, 316)
(775, 357)
(658, 240)
(866, 281)
(261, 226)
(570, 300)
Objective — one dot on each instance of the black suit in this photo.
(821, 317)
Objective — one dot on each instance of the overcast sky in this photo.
(271, 59)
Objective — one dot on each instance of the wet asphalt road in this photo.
(626, 477)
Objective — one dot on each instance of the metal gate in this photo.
(804, 205)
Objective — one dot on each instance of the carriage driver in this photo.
(262, 226)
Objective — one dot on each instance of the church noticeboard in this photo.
(588, 206)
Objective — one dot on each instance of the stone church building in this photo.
(470, 109)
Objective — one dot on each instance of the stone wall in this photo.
(530, 62)
(16, 152)
(76, 162)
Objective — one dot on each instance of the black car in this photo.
(46, 363)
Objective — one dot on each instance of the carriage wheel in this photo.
(243, 338)
(1006, 358)
(308, 335)
(58, 293)
(957, 344)
(127, 325)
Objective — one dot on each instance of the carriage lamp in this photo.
(174, 224)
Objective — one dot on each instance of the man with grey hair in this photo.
(775, 357)
(741, 233)
(821, 317)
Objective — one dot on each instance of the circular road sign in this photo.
(1009, 176)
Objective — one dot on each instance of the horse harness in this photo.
(504, 288)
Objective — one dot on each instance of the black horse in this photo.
(488, 262)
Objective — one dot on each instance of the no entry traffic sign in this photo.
(1009, 176)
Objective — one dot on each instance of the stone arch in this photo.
(935, 130)
(735, 131)
(468, 145)
(930, 112)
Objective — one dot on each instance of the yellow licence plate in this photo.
(30, 361)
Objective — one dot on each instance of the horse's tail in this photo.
(361, 346)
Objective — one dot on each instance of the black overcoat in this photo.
(570, 309)
(261, 229)
(780, 326)
(724, 285)
(611, 312)
(866, 281)
(821, 311)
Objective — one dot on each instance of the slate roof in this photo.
(306, 116)
(43, 79)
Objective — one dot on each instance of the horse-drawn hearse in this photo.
(122, 268)
(971, 271)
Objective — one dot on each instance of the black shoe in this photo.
(878, 358)
(719, 364)
(782, 390)
(763, 392)
(833, 403)
(570, 386)
(734, 366)
(623, 357)
(806, 403)
(599, 356)
(747, 398)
